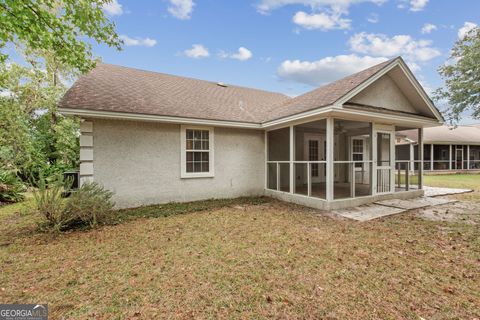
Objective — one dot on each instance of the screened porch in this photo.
(336, 159)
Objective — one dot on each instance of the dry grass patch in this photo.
(270, 260)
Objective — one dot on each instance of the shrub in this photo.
(50, 204)
(11, 187)
(86, 207)
(91, 204)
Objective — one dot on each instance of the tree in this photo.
(462, 78)
(57, 26)
(51, 37)
(33, 137)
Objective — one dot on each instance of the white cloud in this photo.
(264, 6)
(428, 28)
(146, 42)
(417, 5)
(113, 8)
(373, 18)
(181, 9)
(242, 54)
(197, 51)
(322, 21)
(328, 69)
(467, 26)
(404, 45)
(325, 15)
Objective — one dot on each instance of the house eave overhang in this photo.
(415, 121)
(84, 113)
(312, 115)
(475, 143)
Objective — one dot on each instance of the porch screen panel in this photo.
(383, 149)
(313, 156)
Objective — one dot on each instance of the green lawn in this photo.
(462, 181)
(241, 259)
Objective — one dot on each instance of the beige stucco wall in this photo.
(384, 93)
(140, 162)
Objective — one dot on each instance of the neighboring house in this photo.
(156, 138)
(445, 148)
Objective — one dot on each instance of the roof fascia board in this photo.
(475, 143)
(155, 118)
(298, 118)
(338, 111)
(417, 120)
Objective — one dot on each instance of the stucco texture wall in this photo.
(384, 93)
(140, 162)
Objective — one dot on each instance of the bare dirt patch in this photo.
(461, 211)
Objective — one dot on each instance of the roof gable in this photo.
(384, 93)
(403, 83)
(325, 95)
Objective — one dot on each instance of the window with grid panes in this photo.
(197, 149)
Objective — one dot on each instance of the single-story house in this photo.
(154, 138)
(446, 149)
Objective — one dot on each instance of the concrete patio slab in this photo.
(414, 203)
(367, 212)
(434, 191)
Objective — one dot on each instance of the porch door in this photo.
(385, 161)
(314, 150)
(458, 157)
(358, 152)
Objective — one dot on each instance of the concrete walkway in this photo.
(389, 207)
(367, 212)
(434, 191)
(415, 203)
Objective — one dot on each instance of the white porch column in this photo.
(431, 157)
(468, 157)
(266, 159)
(330, 158)
(449, 157)
(292, 158)
(420, 156)
(373, 156)
(393, 156)
(412, 157)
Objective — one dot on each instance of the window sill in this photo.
(196, 175)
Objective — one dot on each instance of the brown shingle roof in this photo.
(121, 89)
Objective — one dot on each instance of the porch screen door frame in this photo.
(363, 169)
(390, 166)
(320, 138)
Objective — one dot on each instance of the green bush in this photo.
(50, 204)
(91, 204)
(11, 187)
(86, 207)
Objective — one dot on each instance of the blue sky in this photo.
(288, 46)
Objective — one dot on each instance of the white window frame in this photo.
(183, 153)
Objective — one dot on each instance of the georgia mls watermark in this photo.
(23, 312)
